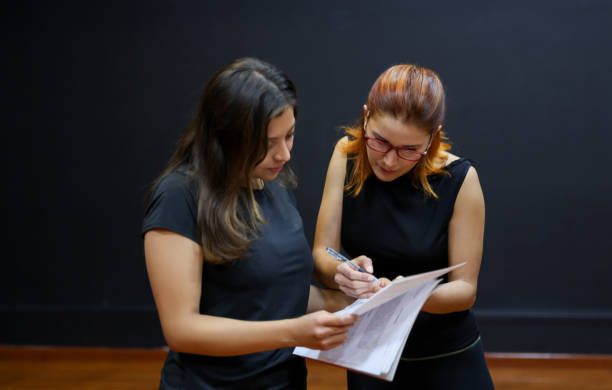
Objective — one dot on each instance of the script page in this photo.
(376, 341)
(380, 334)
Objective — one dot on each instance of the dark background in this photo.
(96, 93)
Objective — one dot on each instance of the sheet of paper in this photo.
(375, 343)
(396, 288)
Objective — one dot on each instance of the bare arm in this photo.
(327, 234)
(465, 240)
(174, 265)
(327, 299)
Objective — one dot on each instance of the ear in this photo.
(365, 111)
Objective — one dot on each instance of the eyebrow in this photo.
(380, 137)
(287, 132)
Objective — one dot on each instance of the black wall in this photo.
(95, 95)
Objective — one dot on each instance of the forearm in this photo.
(219, 336)
(327, 299)
(457, 295)
(325, 267)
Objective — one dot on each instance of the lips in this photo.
(276, 170)
(386, 170)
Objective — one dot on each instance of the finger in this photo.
(383, 282)
(351, 273)
(366, 296)
(357, 293)
(356, 287)
(335, 320)
(336, 330)
(333, 341)
(342, 280)
(343, 319)
(349, 292)
(364, 262)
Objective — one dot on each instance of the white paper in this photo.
(375, 342)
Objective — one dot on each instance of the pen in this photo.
(340, 257)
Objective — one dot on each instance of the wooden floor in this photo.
(92, 368)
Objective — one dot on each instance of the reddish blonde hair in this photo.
(411, 94)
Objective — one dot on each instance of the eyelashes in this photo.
(288, 137)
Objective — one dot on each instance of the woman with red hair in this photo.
(396, 199)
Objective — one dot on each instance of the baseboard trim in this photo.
(548, 360)
(41, 352)
(494, 359)
(513, 332)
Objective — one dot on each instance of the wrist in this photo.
(289, 332)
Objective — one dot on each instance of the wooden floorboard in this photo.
(47, 368)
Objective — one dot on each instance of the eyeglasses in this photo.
(384, 147)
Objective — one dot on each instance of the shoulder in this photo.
(458, 166)
(451, 158)
(173, 205)
(337, 164)
(340, 154)
(340, 149)
(176, 189)
(174, 185)
(342, 142)
(176, 181)
(470, 191)
(179, 178)
(459, 177)
(336, 171)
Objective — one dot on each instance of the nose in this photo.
(390, 158)
(283, 152)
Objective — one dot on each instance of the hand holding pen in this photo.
(361, 284)
(341, 257)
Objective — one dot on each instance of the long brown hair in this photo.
(411, 94)
(222, 145)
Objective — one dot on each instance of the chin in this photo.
(270, 177)
(267, 176)
(386, 178)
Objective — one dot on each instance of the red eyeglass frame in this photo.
(391, 147)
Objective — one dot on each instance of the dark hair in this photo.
(222, 145)
(411, 94)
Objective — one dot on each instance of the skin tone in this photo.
(174, 266)
(388, 166)
(465, 231)
(281, 132)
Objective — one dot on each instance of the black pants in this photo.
(466, 370)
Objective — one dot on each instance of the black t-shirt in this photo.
(405, 233)
(271, 284)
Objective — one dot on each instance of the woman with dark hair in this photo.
(226, 255)
(396, 199)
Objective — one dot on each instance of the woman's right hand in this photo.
(358, 284)
(323, 330)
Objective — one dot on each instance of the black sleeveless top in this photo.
(405, 232)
